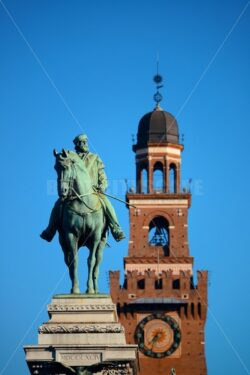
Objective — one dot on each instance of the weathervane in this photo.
(158, 80)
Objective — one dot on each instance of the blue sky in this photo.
(69, 67)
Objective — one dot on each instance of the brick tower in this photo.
(158, 304)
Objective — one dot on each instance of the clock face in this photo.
(158, 335)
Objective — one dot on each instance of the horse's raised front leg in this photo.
(98, 259)
(69, 245)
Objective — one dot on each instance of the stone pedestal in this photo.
(83, 336)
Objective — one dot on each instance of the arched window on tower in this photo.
(158, 181)
(144, 180)
(172, 179)
(158, 234)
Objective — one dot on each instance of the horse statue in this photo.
(82, 219)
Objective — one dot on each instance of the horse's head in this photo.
(64, 167)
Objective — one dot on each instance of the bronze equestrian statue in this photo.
(83, 214)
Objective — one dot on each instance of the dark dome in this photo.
(157, 127)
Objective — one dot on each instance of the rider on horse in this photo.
(98, 177)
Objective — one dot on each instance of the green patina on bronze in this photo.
(82, 214)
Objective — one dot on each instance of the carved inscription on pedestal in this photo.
(78, 358)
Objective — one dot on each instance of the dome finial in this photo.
(158, 80)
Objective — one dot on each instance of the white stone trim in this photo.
(160, 150)
(154, 202)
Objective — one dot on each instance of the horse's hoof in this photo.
(75, 290)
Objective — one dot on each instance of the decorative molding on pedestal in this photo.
(57, 307)
(84, 328)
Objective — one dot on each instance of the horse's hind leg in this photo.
(70, 249)
(98, 259)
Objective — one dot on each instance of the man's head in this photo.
(81, 143)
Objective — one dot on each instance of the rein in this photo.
(80, 196)
(84, 195)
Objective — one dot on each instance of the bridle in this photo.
(73, 194)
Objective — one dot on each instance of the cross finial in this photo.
(158, 81)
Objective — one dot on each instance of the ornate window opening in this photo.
(158, 180)
(158, 234)
(144, 180)
(192, 286)
(172, 178)
(176, 284)
(141, 284)
(158, 284)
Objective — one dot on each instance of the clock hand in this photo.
(155, 338)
